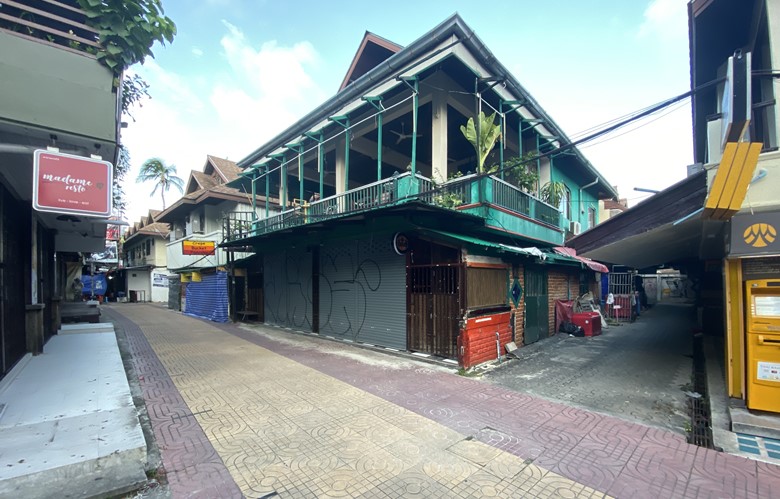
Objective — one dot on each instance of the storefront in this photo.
(752, 298)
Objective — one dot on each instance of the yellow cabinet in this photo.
(763, 344)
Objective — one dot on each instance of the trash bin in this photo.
(133, 297)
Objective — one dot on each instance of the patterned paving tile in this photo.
(311, 424)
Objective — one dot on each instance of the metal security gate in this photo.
(362, 292)
(287, 289)
(536, 308)
(435, 306)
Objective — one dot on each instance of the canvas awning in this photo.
(571, 252)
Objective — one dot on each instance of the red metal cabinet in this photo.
(590, 322)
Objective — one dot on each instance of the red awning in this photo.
(598, 267)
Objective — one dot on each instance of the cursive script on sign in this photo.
(72, 184)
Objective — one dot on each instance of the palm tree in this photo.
(163, 175)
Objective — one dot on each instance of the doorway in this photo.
(536, 307)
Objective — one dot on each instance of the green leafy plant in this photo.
(134, 90)
(448, 200)
(552, 193)
(121, 168)
(518, 171)
(489, 132)
(127, 29)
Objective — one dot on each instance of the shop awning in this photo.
(474, 241)
(571, 252)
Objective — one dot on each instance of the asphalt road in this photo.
(636, 371)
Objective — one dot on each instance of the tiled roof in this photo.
(204, 180)
(228, 169)
(156, 228)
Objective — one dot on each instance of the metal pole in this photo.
(267, 187)
(254, 194)
(376, 102)
(300, 175)
(414, 125)
(298, 148)
(281, 157)
(538, 167)
(320, 167)
(501, 138)
(318, 138)
(379, 147)
(346, 156)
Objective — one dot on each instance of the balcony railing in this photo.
(53, 23)
(459, 194)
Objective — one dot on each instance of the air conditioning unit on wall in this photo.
(575, 228)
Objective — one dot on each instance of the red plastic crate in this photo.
(590, 322)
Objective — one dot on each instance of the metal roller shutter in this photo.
(208, 299)
(287, 289)
(363, 292)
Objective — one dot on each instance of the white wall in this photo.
(139, 280)
(213, 232)
(159, 284)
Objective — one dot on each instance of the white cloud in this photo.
(196, 51)
(227, 110)
(665, 19)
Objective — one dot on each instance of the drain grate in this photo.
(699, 401)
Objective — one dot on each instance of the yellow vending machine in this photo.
(763, 344)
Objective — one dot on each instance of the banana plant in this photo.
(489, 132)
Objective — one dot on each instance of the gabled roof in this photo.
(451, 33)
(373, 50)
(156, 229)
(227, 170)
(149, 226)
(200, 180)
(212, 195)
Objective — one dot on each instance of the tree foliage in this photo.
(127, 30)
(134, 90)
(163, 175)
(489, 132)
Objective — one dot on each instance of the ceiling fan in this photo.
(402, 135)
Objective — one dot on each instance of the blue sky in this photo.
(240, 71)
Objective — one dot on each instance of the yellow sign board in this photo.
(190, 247)
(730, 184)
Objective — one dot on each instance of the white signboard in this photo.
(768, 371)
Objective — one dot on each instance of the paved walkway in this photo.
(635, 371)
(259, 411)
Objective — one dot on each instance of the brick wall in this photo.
(562, 284)
(477, 339)
(518, 271)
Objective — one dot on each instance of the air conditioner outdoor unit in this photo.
(575, 228)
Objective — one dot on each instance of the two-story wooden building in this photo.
(393, 233)
(192, 252)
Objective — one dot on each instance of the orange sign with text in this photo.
(198, 247)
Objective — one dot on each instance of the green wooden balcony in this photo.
(503, 206)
